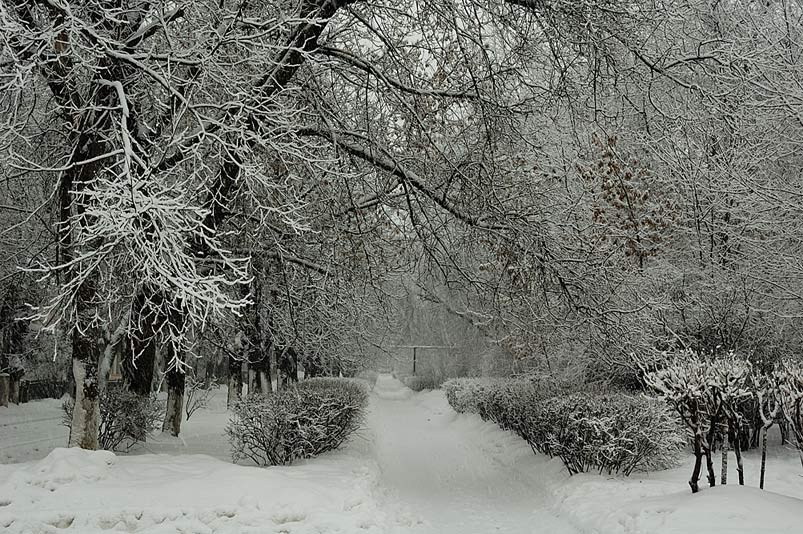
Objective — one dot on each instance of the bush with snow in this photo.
(466, 394)
(315, 416)
(420, 383)
(198, 393)
(612, 433)
(788, 380)
(716, 400)
(606, 432)
(125, 417)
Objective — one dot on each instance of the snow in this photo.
(459, 474)
(29, 431)
(417, 467)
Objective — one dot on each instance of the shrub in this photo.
(198, 393)
(502, 401)
(125, 417)
(613, 433)
(608, 432)
(466, 394)
(788, 377)
(315, 416)
(714, 398)
(420, 383)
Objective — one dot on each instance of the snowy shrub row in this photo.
(481, 395)
(420, 383)
(125, 417)
(315, 416)
(467, 395)
(609, 433)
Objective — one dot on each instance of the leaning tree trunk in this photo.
(85, 360)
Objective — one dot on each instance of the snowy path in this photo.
(456, 475)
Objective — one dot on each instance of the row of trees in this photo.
(577, 180)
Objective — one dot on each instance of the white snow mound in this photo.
(66, 466)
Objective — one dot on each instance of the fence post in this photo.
(414, 355)
(5, 387)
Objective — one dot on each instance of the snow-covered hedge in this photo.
(420, 383)
(313, 417)
(466, 394)
(125, 417)
(605, 432)
(495, 398)
(609, 433)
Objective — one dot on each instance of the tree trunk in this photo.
(287, 366)
(707, 446)
(5, 389)
(698, 461)
(737, 450)
(259, 375)
(86, 411)
(139, 348)
(235, 381)
(723, 478)
(763, 456)
(176, 378)
(14, 390)
(256, 339)
(312, 367)
(85, 360)
(175, 401)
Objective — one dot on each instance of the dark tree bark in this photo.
(256, 338)
(235, 381)
(176, 378)
(698, 463)
(85, 359)
(735, 437)
(288, 365)
(139, 350)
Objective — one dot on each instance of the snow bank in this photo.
(94, 492)
(418, 468)
(62, 467)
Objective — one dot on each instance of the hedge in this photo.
(612, 433)
(313, 417)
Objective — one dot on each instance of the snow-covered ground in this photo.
(418, 467)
